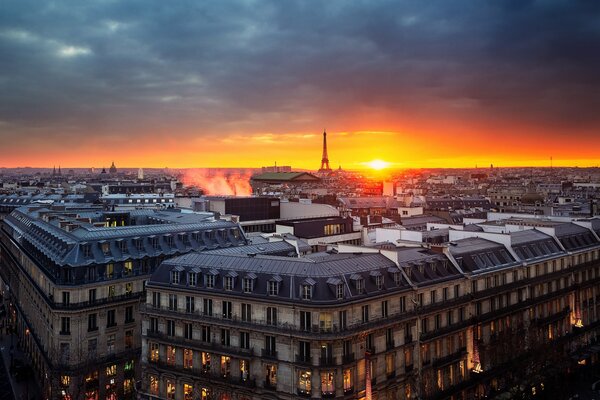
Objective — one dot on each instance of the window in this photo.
(188, 331)
(188, 390)
(153, 324)
(347, 380)
(129, 288)
(208, 307)
(154, 352)
(390, 365)
(398, 278)
(170, 327)
(244, 370)
(360, 286)
(110, 270)
(129, 339)
(92, 347)
(304, 382)
(229, 283)
(170, 390)
(128, 268)
(111, 370)
(66, 298)
(225, 337)
(189, 304)
(210, 281)
(384, 309)
(206, 334)
(175, 277)
(370, 343)
(403, 304)
(188, 358)
(171, 355)
(92, 295)
(327, 383)
(343, 316)
(227, 310)
(192, 279)
(306, 292)
(456, 291)
(128, 314)
(365, 313)
(445, 294)
(111, 291)
(110, 344)
(270, 345)
(110, 318)
(339, 291)
(271, 316)
(205, 358)
(246, 312)
(156, 299)
(379, 281)
(92, 322)
(432, 297)
(65, 326)
(245, 340)
(325, 322)
(273, 288)
(305, 321)
(248, 285)
(173, 302)
(153, 384)
(225, 366)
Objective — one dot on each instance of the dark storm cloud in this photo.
(122, 66)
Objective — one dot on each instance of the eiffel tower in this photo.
(325, 159)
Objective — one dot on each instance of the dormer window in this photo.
(175, 277)
(337, 286)
(122, 245)
(192, 279)
(339, 291)
(398, 278)
(139, 244)
(306, 292)
(87, 250)
(273, 288)
(210, 281)
(379, 282)
(170, 241)
(154, 242)
(247, 285)
(105, 247)
(210, 278)
(228, 283)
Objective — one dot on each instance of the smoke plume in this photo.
(219, 182)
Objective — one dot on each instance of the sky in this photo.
(249, 83)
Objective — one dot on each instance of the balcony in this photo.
(210, 347)
(303, 359)
(198, 373)
(269, 353)
(326, 361)
(348, 358)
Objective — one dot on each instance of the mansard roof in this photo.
(291, 272)
(71, 237)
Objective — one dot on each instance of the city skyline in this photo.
(246, 84)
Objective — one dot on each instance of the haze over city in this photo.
(244, 84)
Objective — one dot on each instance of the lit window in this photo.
(304, 382)
(187, 390)
(65, 380)
(188, 358)
(170, 390)
(348, 386)
(128, 268)
(154, 384)
(327, 383)
(111, 370)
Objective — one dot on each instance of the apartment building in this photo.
(454, 321)
(75, 276)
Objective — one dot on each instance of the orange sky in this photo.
(350, 149)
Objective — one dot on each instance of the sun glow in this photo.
(378, 164)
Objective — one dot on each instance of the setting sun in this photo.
(378, 164)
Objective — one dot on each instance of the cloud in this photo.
(243, 68)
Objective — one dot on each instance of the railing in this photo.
(303, 359)
(199, 345)
(267, 353)
(199, 373)
(348, 358)
(327, 361)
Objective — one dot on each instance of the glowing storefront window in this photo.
(153, 384)
(170, 390)
(327, 382)
(187, 391)
(348, 385)
(304, 382)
